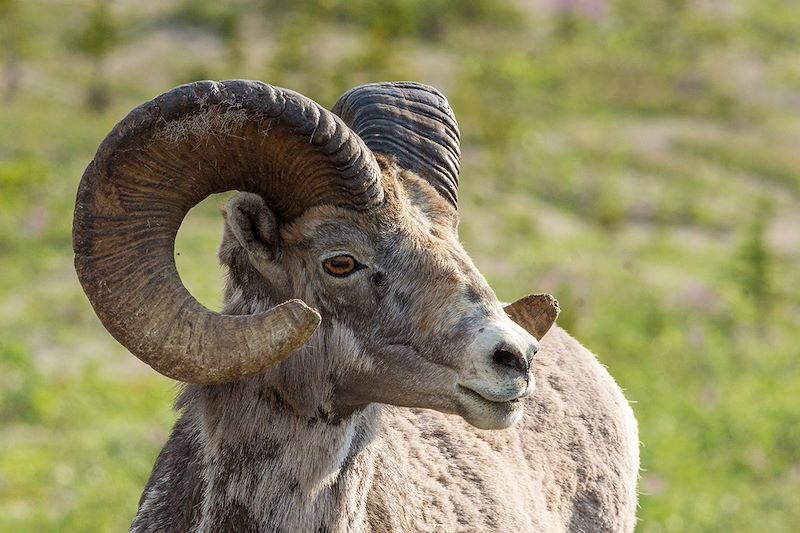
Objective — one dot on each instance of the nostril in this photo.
(510, 359)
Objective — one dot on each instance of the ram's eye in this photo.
(340, 265)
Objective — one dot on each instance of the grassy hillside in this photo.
(637, 159)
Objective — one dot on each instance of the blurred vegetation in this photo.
(636, 159)
(96, 39)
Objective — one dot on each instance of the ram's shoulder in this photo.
(565, 369)
(580, 431)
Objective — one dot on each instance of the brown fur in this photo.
(359, 430)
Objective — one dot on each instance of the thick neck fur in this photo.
(274, 452)
(267, 468)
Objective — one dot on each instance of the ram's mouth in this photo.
(489, 413)
(486, 397)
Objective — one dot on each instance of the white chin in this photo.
(492, 415)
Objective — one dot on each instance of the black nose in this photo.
(511, 359)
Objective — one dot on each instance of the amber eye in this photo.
(340, 265)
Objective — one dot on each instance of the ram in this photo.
(361, 362)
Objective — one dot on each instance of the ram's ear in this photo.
(536, 313)
(252, 223)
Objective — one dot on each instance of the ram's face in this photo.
(397, 291)
(325, 220)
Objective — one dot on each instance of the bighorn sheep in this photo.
(355, 326)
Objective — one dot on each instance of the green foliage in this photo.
(218, 18)
(96, 39)
(19, 384)
(428, 20)
(772, 24)
(753, 272)
(20, 175)
(13, 37)
(99, 35)
(639, 163)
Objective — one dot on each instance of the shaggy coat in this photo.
(313, 445)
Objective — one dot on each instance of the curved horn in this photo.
(412, 122)
(171, 153)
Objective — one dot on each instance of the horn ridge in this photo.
(412, 122)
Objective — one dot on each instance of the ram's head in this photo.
(342, 250)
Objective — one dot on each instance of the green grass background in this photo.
(638, 159)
